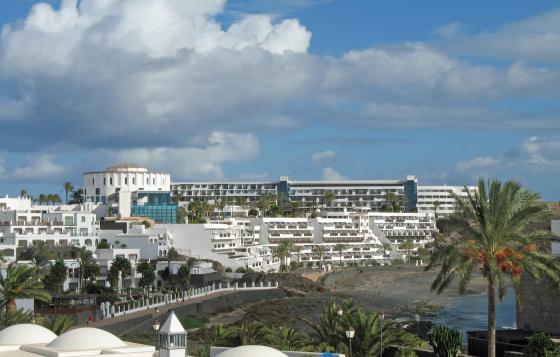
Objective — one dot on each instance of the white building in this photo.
(348, 194)
(15, 203)
(439, 200)
(100, 185)
(400, 227)
(152, 243)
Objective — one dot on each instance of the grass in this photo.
(191, 322)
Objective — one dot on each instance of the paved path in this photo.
(149, 315)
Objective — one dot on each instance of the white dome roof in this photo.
(25, 334)
(86, 338)
(252, 351)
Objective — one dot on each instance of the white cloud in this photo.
(193, 162)
(37, 167)
(254, 176)
(535, 38)
(330, 174)
(533, 154)
(317, 157)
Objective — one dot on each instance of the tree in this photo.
(391, 200)
(23, 193)
(285, 338)
(436, 206)
(250, 333)
(68, 188)
(282, 252)
(218, 336)
(103, 244)
(21, 281)
(339, 248)
(184, 276)
(494, 233)
(59, 323)
(318, 249)
(77, 196)
(329, 198)
(241, 201)
(182, 214)
(88, 268)
(41, 253)
(172, 254)
(266, 201)
(42, 198)
(407, 246)
(58, 274)
(148, 274)
(123, 265)
(387, 247)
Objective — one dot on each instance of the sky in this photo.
(449, 91)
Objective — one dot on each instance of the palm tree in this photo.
(123, 265)
(339, 248)
(58, 274)
(23, 193)
(436, 206)
(282, 251)
(42, 198)
(184, 276)
(265, 203)
(148, 274)
(285, 338)
(318, 249)
(391, 199)
(41, 253)
(78, 196)
(68, 188)
(218, 336)
(494, 233)
(88, 267)
(250, 333)
(297, 249)
(59, 323)
(21, 281)
(221, 204)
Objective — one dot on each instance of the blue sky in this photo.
(448, 91)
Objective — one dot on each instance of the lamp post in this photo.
(350, 336)
(155, 326)
(339, 311)
(417, 318)
(382, 318)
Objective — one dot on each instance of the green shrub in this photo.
(445, 341)
(540, 345)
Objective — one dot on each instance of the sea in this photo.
(469, 313)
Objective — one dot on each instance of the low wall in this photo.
(144, 323)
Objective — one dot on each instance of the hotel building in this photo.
(439, 200)
(347, 194)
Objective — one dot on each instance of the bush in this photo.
(228, 270)
(445, 341)
(406, 352)
(253, 212)
(103, 244)
(540, 345)
(241, 270)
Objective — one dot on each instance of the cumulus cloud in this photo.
(330, 174)
(193, 162)
(534, 153)
(317, 157)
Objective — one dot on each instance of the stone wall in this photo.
(540, 307)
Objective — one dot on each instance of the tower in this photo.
(172, 338)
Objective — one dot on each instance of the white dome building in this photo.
(26, 334)
(86, 338)
(252, 351)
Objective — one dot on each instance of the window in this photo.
(154, 181)
(111, 181)
(83, 219)
(97, 191)
(93, 180)
(126, 180)
(104, 181)
(134, 181)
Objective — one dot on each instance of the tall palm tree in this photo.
(42, 198)
(88, 267)
(282, 251)
(23, 193)
(436, 206)
(59, 323)
(250, 333)
(407, 246)
(58, 274)
(494, 233)
(78, 196)
(68, 188)
(21, 281)
(339, 248)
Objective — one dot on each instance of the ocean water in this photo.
(469, 313)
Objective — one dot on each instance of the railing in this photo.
(132, 306)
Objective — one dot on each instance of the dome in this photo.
(25, 334)
(252, 351)
(86, 338)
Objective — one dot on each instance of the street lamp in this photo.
(339, 311)
(350, 336)
(382, 318)
(155, 326)
(417, 318)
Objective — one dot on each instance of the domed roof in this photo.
(252, 351)
(86, 338)
(25, 334)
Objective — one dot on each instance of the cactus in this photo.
(406, 352)
(445, 341)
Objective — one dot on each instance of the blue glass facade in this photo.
(156, 205)
(411, 194)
